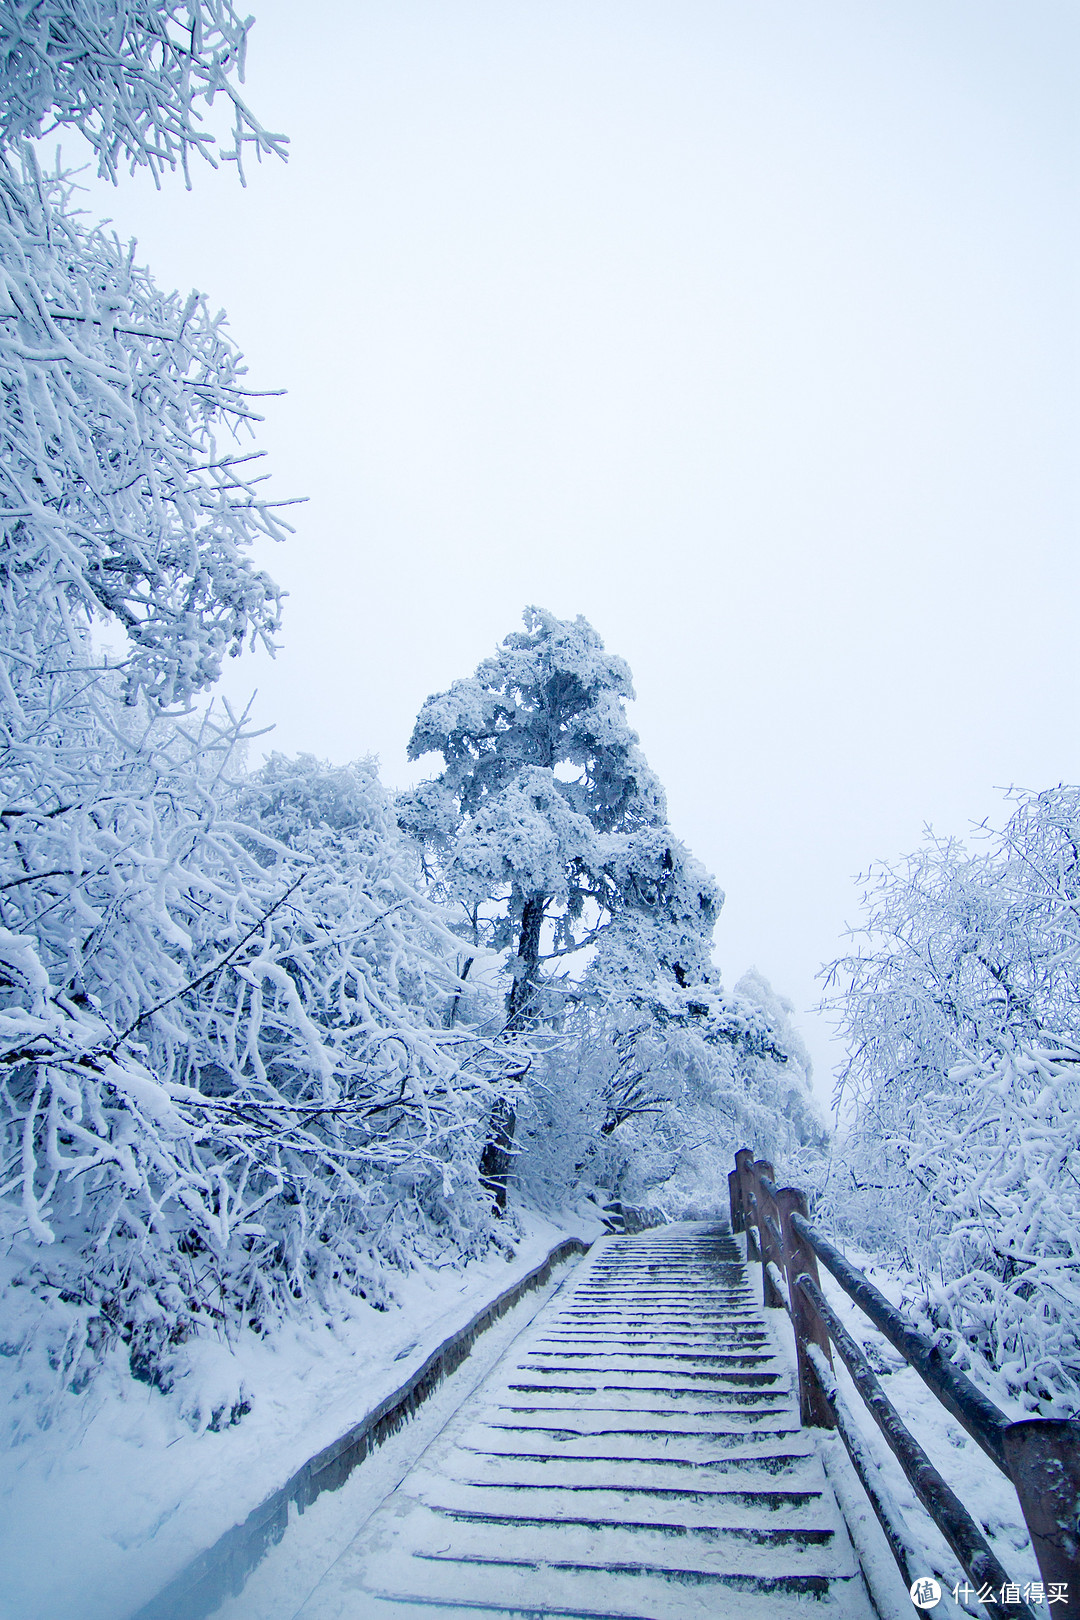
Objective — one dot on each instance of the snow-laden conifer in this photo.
(550, 832)
(545, 816)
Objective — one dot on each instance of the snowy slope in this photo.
(99, 1512)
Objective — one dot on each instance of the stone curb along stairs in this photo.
(636, 1455)
(221, 1571)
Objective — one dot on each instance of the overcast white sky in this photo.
(746, 329)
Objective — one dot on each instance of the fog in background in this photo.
(747, 330)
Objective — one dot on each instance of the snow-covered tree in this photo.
(545, 823)
(549, 830)
(228, 1079)
(123, 500)
(239, 1068)
(229, 1085)
(962, 1153)
(647, 1101)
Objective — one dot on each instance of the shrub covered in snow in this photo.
(230, 1083)
(962, 1149)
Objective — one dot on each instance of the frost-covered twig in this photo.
(128, 74)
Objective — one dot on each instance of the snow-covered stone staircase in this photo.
(636, 1454)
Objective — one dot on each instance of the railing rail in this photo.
(1040, 1456)
(984, 1421)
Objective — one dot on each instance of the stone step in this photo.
(632, 1591)
(777, 1513)
(641, 1397)
(449, 1537)
(766, 1474)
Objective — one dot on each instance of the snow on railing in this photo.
(1040, 1456)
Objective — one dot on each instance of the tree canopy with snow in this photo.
(229, 1084)
(127, 494)
(546, 824)
(132, 76)
(961, 1095)
(549, 831)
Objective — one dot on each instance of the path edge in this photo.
(220, 1572)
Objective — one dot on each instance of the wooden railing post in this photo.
(744, 1174)
(772, 1252)
(1044, 1461)
(735, 1201)
(799, 1259)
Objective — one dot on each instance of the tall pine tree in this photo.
(547, 826)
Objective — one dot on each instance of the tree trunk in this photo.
(463, 975)
(528, 956)
(498, 1151)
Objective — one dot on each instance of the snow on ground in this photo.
(281, 1584)
(101, 1510)
(988, 1496)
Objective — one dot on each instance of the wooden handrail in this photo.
(985, 1422)
(943, 1505)
(1040, 1456)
